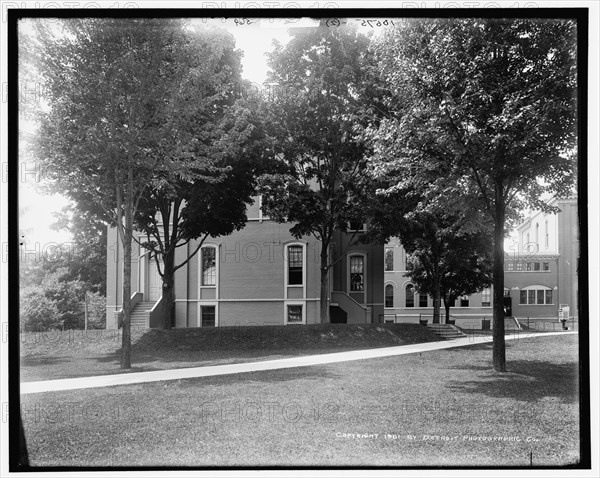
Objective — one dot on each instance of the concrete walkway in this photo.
(304, 361)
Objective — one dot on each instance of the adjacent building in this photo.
(540, 275)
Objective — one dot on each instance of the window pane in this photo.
(357, 274)
(464, 301)
(546, 266)
(486, 295)
(295, 265)
(410, 296)
(422, 300)
(389, 259)
(540, 296)
(389, 295)
(528, 266)
(519, 266)
(523, 297)
(208, 315)
(209, 266)
(536, 266)
(531, 296)
(548, 296)
(294, 313)
(511, 266)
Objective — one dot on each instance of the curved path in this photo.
(302, 361)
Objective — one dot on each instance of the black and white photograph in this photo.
(297, 240)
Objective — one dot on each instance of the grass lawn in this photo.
(75, 353)
(441, 408)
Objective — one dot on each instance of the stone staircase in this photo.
(446, 331)
(140, 315)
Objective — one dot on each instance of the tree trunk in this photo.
(499, 352)
(324, 314)
(437, 303)
(127, 238)
(447, 307)
(168, 295)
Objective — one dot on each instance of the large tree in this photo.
(109, 86)
(322, 78)
(487, 108)
(176, 210)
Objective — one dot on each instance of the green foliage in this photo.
(488, 103)
(38, 312)
(321, 76)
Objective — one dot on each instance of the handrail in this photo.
(350, 302)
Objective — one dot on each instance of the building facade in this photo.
(260, 275)
(540, 275)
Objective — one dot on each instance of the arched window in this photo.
(389, 295)
(410, 295)
(547, 235)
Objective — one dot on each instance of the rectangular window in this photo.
(546, 266)
(536, 266)
(295, 265)
(357, 266)
(209, 266)
(389, 259)
(548, 296)
(519, 266)
(208, 315)
(531, 296)
(528, 266)
(422, 300)
(540, 297)
(464, 301)
(523, 297)
(486, 298)
(389, 295)
(511, 266)
(356, 226)
(294, 314)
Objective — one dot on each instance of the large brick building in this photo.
(260, 275)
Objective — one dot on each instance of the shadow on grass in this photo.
(41, 360)
(524, 381)
(315, 373)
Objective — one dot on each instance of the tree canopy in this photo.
(483, 108)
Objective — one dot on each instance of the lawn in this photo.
(441, 408)
(75, 353)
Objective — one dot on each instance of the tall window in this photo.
(357, 273)
(295, 265)
(410, 295)
(486, 297)
(422, 300)
(389, 259)
(389, 295)
(537, 233)
(527, 244)
(547, 235)
(209, 266)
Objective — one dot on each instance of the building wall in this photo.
(251, 277)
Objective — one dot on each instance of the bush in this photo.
(38, 312)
